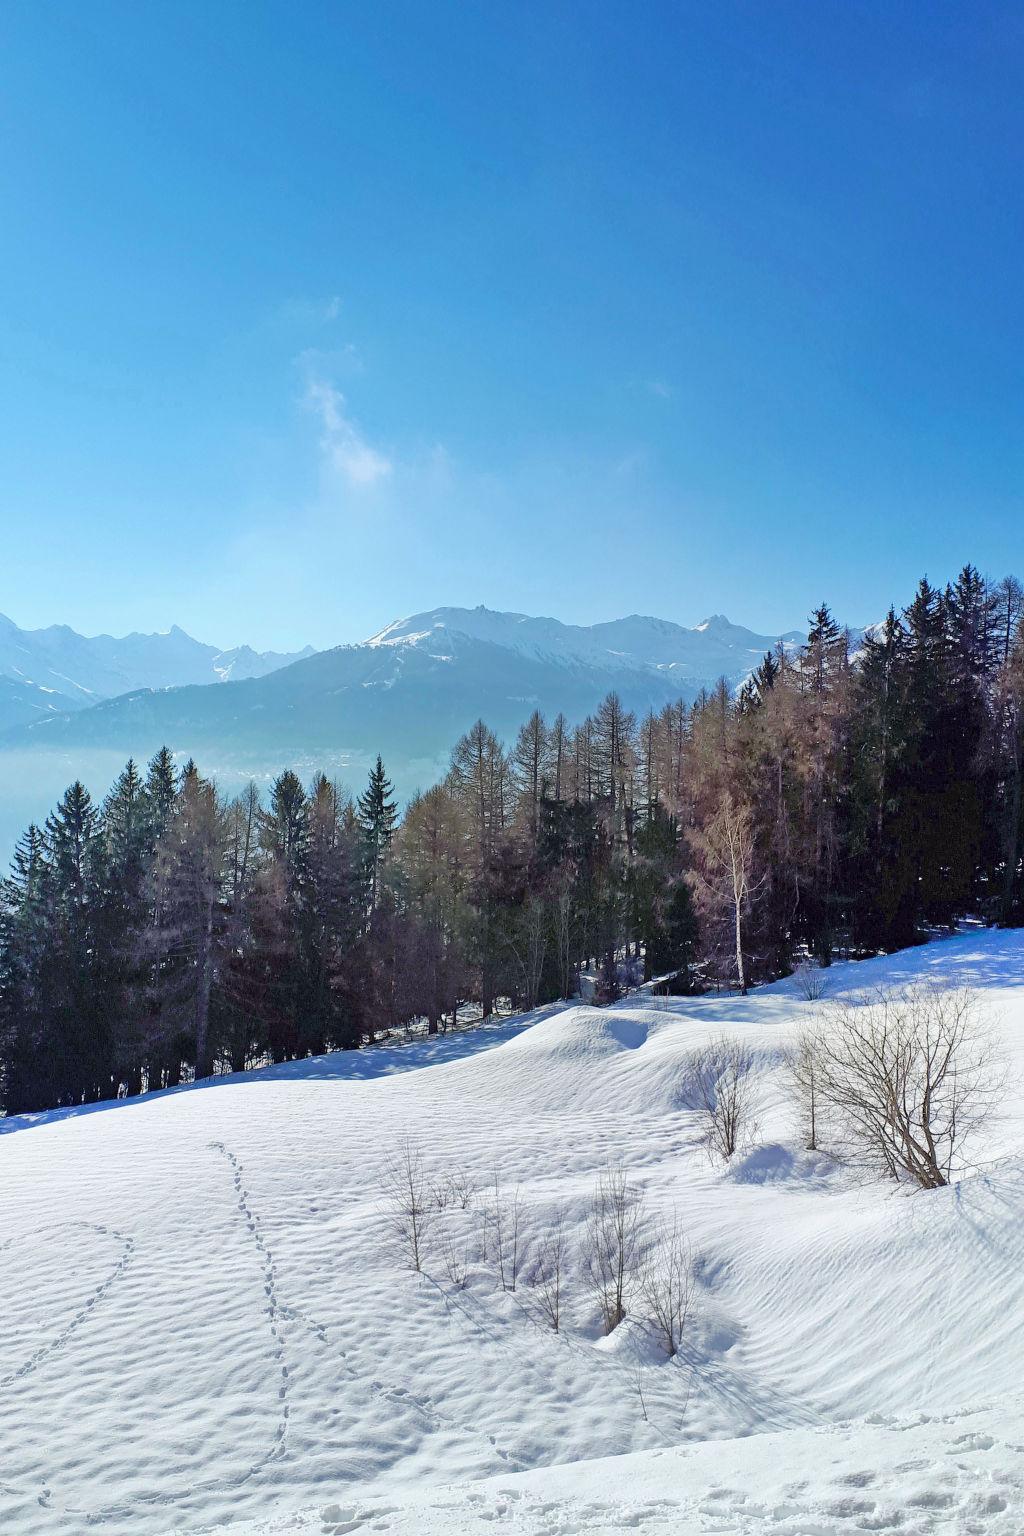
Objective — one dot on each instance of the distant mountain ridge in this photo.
(698, 655)
(56, 670)
(418, 683)
(408, 692)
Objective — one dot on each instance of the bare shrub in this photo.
(455, 1190)
(548, 1278)
(912, 1075)
(455, 1257)
(639, 1382)
(723, 1090)
(407, 1200)
(612, 1248)
(667, 1286)
(811, 981)
(463, 1189)
(503, 1219)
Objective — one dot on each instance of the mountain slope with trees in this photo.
(837, 805)
(410, 690)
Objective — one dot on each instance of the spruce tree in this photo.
(378, 815)
(127, 848)
(27, 1042)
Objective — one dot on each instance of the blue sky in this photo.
(314, 315)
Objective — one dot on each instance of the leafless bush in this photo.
(463, 1189)
(406, 1194)
(548, 1278)
(811, 981)
(805, 1074)
(639, 1382)
(667, 1286)
(503, 1219)
(455, 1257)
(724, 1094)
(912, 1075)
(455, 1190)
(612, 1247)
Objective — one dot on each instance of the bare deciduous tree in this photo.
(723, 878)
(724, 1094)
(811, 981)
(667, 1286)
(527, 943)
(503, 1219)
(912, 1075)
(407, 1200)
(612, 1249)
(805, 1074)
(548, 1277)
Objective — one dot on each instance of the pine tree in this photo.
(161, 788)
(82, 1044)
(332, 918)
(378, 815)
(944, 820)
(127, 822)
(882, 867)
(27, 1044)
(183, 942)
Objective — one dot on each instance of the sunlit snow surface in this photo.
(203, 1324)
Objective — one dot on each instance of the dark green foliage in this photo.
(378, 816)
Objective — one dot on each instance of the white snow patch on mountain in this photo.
(82, 669)
(702, 654)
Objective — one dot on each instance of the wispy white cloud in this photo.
(307, 312)
(659, 388)
(346, 451)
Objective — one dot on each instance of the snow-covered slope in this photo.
(203, 1321)
(71, 672)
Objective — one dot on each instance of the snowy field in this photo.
(204, 1324)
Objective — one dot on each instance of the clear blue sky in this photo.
(312, 315)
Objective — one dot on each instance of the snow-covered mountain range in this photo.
(695, 657)
(56, 671)
(72, 707)
(409, 690)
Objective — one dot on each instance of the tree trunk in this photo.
(739, 952)
(204, 981)
(1012, 841)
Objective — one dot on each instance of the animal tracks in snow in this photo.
(85, 1311)
(273, 1307)
(955, 1488)
(212, 1336)
(508, 1507)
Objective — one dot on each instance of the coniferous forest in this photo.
(846, 801)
